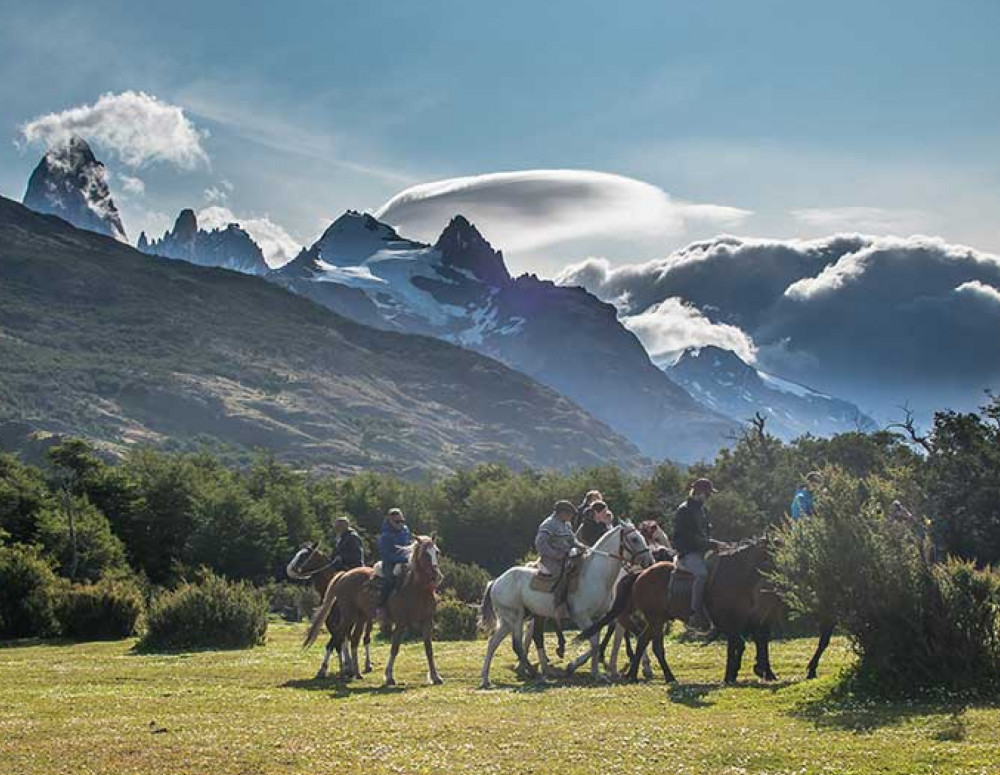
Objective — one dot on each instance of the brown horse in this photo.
(739, 599)
(310, 564)
(412, 604)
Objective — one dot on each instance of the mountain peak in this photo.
(230, 247)
(186, 225)
(355, 236)
(71, 183)
(463, 247)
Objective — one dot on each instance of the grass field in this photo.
(100, 708)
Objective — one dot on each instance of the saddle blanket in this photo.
(398, 571)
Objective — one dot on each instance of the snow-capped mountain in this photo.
(228, 248)
(722, 380)
(459, 289)
(71, 183)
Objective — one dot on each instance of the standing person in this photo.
(554, 543)
(393, 546)
(691, 539)
(597, 521)
(583, 510)
(804, 503)
(348, 550)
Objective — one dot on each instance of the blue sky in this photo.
(807, 117)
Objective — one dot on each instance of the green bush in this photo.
(465, 581)
(29, 594)
(109, 610)
(292, 602)
(455, 620)
(212, 613)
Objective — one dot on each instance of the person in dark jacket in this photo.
(585, 509)
(348, 550)
(393, 546)
(597, 521)
(691, 539)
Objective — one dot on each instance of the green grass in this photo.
(101, 708)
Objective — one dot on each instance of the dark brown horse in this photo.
(310, 564)
(739, 599)
(412, 604)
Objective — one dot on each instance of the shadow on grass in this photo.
(336, 687)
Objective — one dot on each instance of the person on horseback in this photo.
(803, 504)
(348, 550)
(555, 542)
(691, 540)
(392, 547)
(597, 521)
(584, 510)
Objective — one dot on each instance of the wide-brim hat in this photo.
(703, 485)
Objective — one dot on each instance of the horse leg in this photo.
(608, 634)
(524, 669)
(325, 667)
(397, 639)
(560, 639)
(356, 633)
(495, 640)
(616, 646)
(762, 662)
(432, 672)
(661, 657)
(538, 638)
(368, 641)
(640, 649)
(824, 641)
(734, 657)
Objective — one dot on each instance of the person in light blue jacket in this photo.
(392, 549)
(803, 504)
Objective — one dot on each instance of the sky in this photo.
(565, 130)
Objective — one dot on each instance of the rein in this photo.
(621, 557)
(307, 576)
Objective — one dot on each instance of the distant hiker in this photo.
(348, 550)
(393, 546)
(583, 510)
(803, 504)
(691, 539)
(554, 542)
(597, 521)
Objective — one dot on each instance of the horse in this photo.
(739, 600)
(510, 597)
(310, 564)
(412, 604)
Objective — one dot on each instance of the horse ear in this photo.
(434, 536)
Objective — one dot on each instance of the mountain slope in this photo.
(721, 379)
(228, 248)
(98, 339)
(71, 183)
(459, 290)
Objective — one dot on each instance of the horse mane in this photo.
(616, 530)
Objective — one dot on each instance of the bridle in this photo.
(625, 532)
(300, 576)
(420, 551)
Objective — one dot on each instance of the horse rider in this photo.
(584, 509)
(657, 540)
(597, 520)
(393, 544)
(691, 540)
(348, 550)
(803, 504)
(555, 543)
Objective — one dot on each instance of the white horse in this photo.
(510, 596)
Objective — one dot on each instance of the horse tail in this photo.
(623, 594)
(321, 614)
(487, 616)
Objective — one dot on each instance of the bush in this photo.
(292, 602)
(29, 594)
(455, 620)
(465, 581)
(109, 610)
(212, 613)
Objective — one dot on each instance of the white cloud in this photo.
(136, 127)
(277, 245)
(533, 208)
(216, 195)
(980, 289)
(872, 220)
(671, 326)
(132, 185)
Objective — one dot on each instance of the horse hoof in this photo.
(390, 682)
(320, 675)
(368, 668)
(647, 674)
(437, 680)
(810, 675)
(759, 672)
(560, 652)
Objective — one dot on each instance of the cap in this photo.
(703, 485)
(564, 507)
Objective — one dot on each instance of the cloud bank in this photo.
(667, 328)
(534, 208)
(136, 127)
(882, 320)
(277, 245)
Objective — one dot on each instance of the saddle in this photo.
(543, 582)
(398, 571)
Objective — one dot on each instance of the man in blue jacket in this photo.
(803, 504)
(393, 545)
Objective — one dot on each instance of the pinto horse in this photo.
(412, 604)
(310, 564)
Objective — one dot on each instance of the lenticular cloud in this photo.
(534, 208)
(136, 127)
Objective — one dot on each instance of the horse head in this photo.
(632, 545)
(306, 563)
(425, 560)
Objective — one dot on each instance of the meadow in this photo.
(103, 708)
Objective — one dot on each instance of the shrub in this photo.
(292, 602)
(29, 594)
(465, 581)
(109, 610)
(212, 613)
(455, 620)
